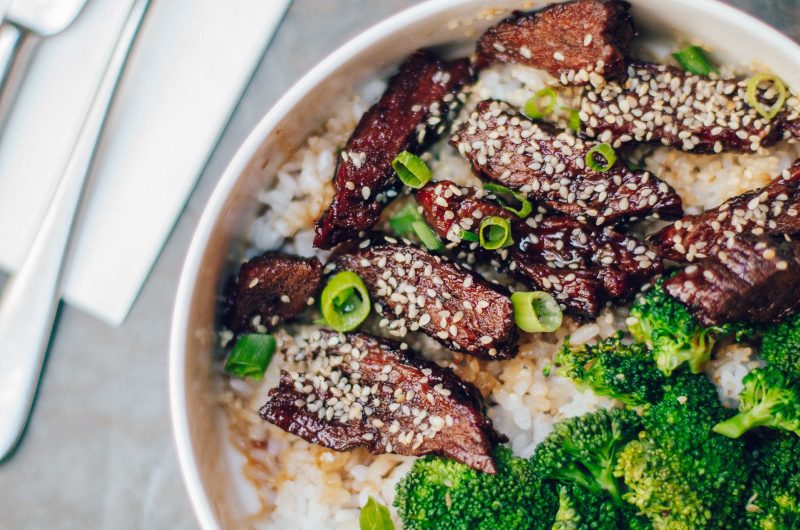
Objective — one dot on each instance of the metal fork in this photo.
(31, 296)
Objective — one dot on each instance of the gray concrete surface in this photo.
(99, 453)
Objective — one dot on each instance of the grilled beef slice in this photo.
(415, 290)
(549, 166)
(666, 105)
(574, 41)
(411, 114)
(271, 288)
(774, 209)
(750, 278)
(581, 265)
(356, 390)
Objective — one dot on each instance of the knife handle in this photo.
(16, 49)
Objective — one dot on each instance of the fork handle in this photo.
(31, 296)
(17, 46)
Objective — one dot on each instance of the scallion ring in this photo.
(693, 59)
(427, 236)
(495, 233)
(574, 122)
(375, 516)
(345, 301)
(533, 108)
(753, 95)
(466, 235)
(511, 200)
(408, 220)
(250, 356)
(411, 169)
(536, 311)
(606, 152)
(402, 221)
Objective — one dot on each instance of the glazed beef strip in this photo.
(355, 390)
(272, 288)
(774, 209)
(750, 278)
(582, 266)
(549, 166)
(666, 105)
(574, 41)
(415, 290)
(410, 115)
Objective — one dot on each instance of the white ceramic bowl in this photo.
(211, 469)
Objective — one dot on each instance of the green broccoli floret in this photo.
(673, 334)
(780, 347)
(442, 494)
(769, 399)
(611, 368)
(583, 450)
(679, 473)
(581, 509)
(775, 495)
(688, 410)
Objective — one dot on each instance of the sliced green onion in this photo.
(494, 233)
(427, 236)
(408, 220)
(753, 99)
(508, 199)
(694, 60)
(345, 301)
(533, 107)
(574, 122)
(466, 235)
(405, 217)
(411, 169)
(250, 356)
(605, 151)
(375, 516)
(536, 311)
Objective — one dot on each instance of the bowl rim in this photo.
(211, 212)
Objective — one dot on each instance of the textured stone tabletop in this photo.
(99, 452)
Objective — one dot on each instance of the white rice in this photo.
(303, 486)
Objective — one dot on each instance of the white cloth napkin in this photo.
(191, 64)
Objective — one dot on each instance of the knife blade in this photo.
(28, 21)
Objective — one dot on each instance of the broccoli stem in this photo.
(575, 474)
(604, 475)
(611, 484)
(702, 346)
(744, 421)
(670, 359)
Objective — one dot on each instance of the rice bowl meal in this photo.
(549, 283)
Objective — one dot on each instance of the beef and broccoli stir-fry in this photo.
(565, 226)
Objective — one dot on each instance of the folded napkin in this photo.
(191, 63)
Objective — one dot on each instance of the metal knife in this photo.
(26, 23)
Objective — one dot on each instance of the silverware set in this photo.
(29, 301)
